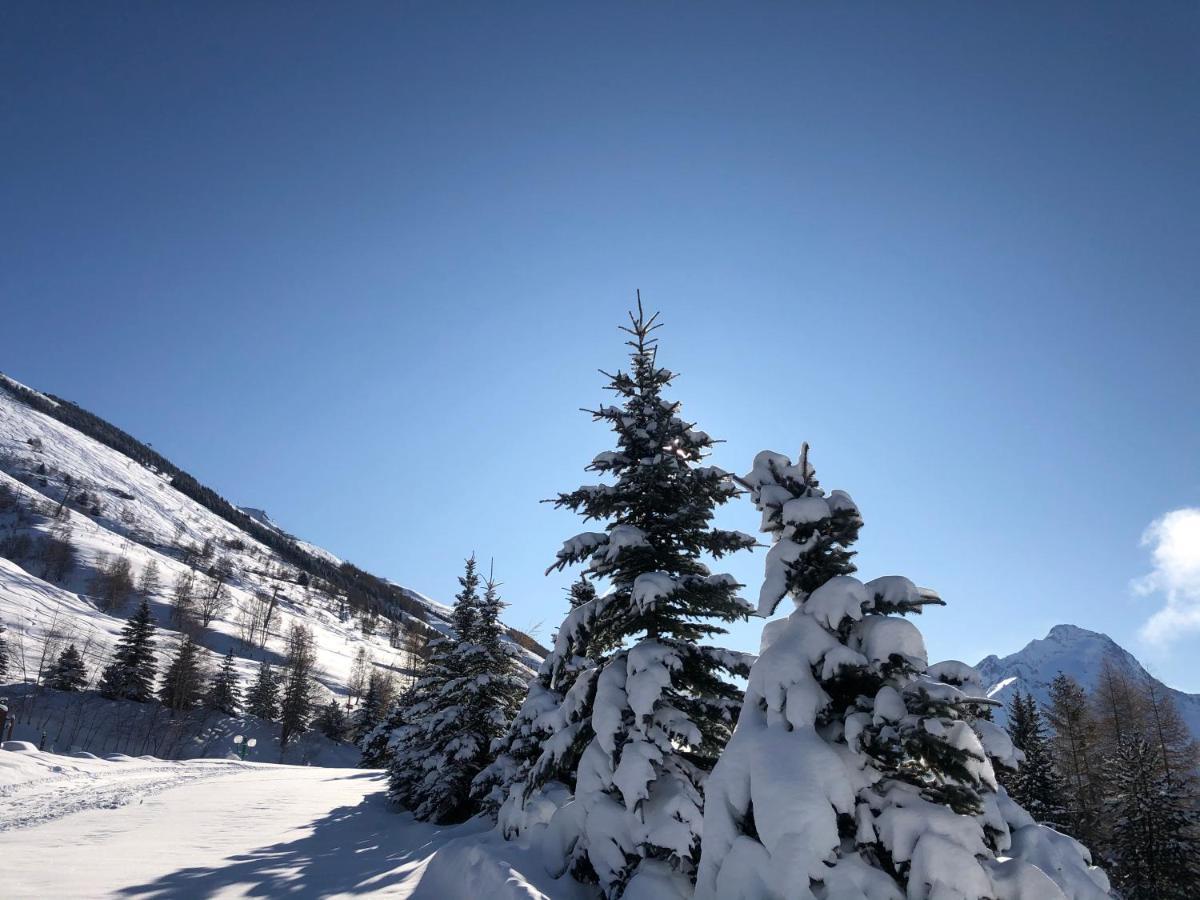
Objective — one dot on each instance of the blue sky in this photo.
(359, 265)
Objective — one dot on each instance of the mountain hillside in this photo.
(70, 479)
(1076, 652)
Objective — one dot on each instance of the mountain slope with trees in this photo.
(95, 525)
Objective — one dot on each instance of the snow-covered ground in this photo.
(41, 787)
(85, 828)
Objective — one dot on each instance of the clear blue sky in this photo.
(358, 264)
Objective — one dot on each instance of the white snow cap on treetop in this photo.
(770, 467)
(798, 515)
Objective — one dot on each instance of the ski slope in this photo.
(146, 828)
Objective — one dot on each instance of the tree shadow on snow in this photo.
(351, 850)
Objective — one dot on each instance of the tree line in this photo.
(1117, 767)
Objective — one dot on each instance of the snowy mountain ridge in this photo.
(1073, 651)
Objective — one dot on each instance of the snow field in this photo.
(155, 829)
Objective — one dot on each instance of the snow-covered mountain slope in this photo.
(115, 497)
(1076, 652)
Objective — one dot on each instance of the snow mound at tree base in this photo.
(484, 864)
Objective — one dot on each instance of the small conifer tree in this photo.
(1036, 785)
(130, 675)
(464, 701)
(224, 692)
(263, 699)
(68, 672)
(332, 721)
(183, 681)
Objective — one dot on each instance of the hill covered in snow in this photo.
(70, 479)
(1076, 652)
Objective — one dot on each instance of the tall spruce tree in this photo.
(263, 698)
(183, 681)
(1155, 827)
(1036, 785)
(224, 692)
(68, 672)
(415, 779)
(467, 696)
(857, 770)
(632, 708)
(495, 689)
(130, 675)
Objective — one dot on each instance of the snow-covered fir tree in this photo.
(332, 721)
(463, 702)
(1155, 827)
(857, 770)
(183, 681)
(378, 746)
(263, 698)
(68, 672)
(130, 675)
(1036, 785)
(224, 691)
(414, 779)
(509, 789)
(496, 689)
(632, 707)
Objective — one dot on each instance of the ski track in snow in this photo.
(46, 799)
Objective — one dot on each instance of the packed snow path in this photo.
(62, 793)
(214, 828)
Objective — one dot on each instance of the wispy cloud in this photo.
(1174, 540)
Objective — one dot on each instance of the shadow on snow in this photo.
(351, 850)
